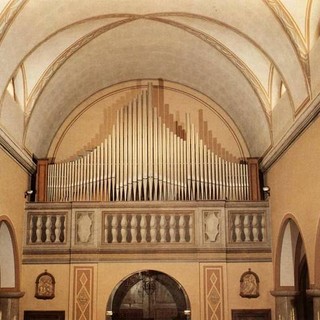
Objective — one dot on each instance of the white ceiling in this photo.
(60, 52)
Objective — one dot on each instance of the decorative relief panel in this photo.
(45, 286)
(249, 285)
(211, 226)
(213, 287)
(84, 227)
(83, 293)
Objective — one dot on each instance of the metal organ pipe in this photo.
(148, 157)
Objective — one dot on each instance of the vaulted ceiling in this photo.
(251, 57)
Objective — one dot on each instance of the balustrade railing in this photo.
(196, 227)
(247, 227)
(148, 228)
(47, 228)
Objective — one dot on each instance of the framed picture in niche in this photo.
(249, 285)
(45, 286)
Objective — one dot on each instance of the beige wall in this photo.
(13, 183)
(191, 275)
(295, 188)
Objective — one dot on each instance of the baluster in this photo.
(238, 227)
(114, 228)
(124, 224)
(39, 229)
(153, 228)
(143, 228)
(134, 224)
(163, 228)
(57, 230)
(106, 227)
(172, 232)
(246, 228)
(32, 227)
(255, 228)
(263, 227)
(48, 229)
(191, 228)
(182, 230)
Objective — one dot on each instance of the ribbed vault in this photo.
(56, 54)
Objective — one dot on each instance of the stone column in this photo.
(315, 294)
(9, 304)
(285, 304)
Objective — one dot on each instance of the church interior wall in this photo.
(294, 184)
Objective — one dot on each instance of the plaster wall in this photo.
(294, 181)
(191, 276)
(13, 183)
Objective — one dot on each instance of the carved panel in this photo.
(211, 226)
(45, 286)
(83, 293)
(213, 287)
(84, 227)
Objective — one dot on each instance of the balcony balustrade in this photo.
(189, 229)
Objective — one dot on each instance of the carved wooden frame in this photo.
(45, 286)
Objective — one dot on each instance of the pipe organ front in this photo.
(148, 156)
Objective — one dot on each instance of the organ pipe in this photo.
(148, 157)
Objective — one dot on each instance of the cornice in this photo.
(305, 119)
(15, 151)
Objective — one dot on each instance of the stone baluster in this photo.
(114, 230)
(191, 228)
(32, 227)
(172, 232)
(143, 228)
(255, 227)
(182, 228)
(263, 227)
(48, 229)
(153, 228)
(57, 230)
(106, 227)
(39, 229)
(134, 224)
(163, 228)
(238, 227)
(246, 228)
(124, 225)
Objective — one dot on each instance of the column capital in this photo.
(313, 292)
(284, 293)
(11, 294)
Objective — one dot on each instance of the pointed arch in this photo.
(289, 254)
(9, 258)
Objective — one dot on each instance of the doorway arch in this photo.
(292, 270)
(148, 294)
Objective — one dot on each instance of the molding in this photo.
(306, 118)
(11, 294)
(15, 151)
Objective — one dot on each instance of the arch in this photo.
(289, 254)
(9, 276)
(146, 292)
(317, 259)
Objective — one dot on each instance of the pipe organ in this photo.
(148, 156)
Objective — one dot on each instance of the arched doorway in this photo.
(9, 275)
(148, 294)
(292, 273)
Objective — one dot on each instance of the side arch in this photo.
(9, 257)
